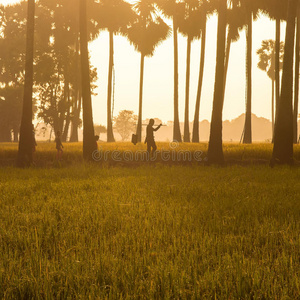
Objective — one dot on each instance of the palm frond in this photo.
(113, 15)
(149, 30)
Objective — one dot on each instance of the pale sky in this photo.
(158, 77)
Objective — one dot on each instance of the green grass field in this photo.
(74, 230)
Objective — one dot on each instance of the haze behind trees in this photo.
(158, 75)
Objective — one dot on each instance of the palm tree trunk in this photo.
(248, 127)
(273, 107)
(16, 134)
(67, 118)
(296, 94)
(176, 125)
(186, 136)
(196, 138)
(54, 107)
(227, 55)
(25, 157)
(89, 145)
(77, 100)
(215, 150)
(76, 119)
(63, 102)
(66, 127)
(277, 63)
(139, 126)
(74, 124)
(110, 134)
(283, 137)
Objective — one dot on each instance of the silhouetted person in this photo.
(150, 137)
(96, 140)
(59, 146)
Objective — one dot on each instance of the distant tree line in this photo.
(62, 81)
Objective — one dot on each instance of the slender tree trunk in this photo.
(283, 137)
(74, 130)
(25, 156)
(277, 63)
(196, 138)
(68, 107)
(227, 55)
(186, 136)
(215, 150)
(78, 97)
(89, 145)
(66, 127)
(110, 134)
(139, 125)
(296, 94)
(273, 107)
(63, 102)
(248, 127)
(76, 120)
(16, 134)
(54, 105)
(176, 125)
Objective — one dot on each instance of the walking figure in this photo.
(150, 137)
(59, 146)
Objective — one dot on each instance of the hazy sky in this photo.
(158, 79)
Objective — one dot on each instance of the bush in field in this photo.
(125, 123)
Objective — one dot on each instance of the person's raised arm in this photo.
(157, 127)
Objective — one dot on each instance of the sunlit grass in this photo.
(76, 230)
(151, 232)
(233, 152)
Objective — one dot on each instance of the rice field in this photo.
(75, 230)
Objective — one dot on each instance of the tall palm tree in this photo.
(25, 144)
(277, 10)
(277, 61)
(235, 22)
(146, 33)
(195, 137)
(215, 150)
(267, 61)
(191, 28)
(76, 108)
(89, 145)
(283, 135)
(251, 11)
(115, 16)
(174, 9)
(296, 93)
